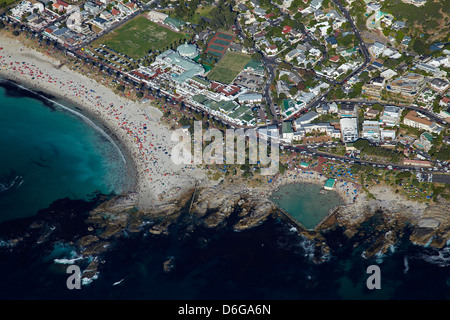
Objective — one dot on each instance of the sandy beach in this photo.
(140, 131)
(137, 126)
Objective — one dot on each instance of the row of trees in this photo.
(368, 149)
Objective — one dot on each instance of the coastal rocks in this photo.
(254, 211)
(95, 248)
(169, 264)
(87, 240)
(215, 205)
(376, 225)
(434, 228)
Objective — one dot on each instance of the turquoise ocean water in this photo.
(48, 153)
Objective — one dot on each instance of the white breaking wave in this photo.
(6, 186)
(392, 248)
(293, 229)
(67, 261)
(118, 282)
(379, 257)
(86, 281)
(406, 264)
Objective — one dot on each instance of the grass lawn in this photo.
(229, 67)
(202, 10)
(8, 2)
(136, 37)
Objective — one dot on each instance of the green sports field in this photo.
(229, 67)
(136, 37)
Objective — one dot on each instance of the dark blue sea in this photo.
(43, 175)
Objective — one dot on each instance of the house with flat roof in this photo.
(440, 85)
(415, 120)
(408, 85)
(348, 110)
(390, 116)
(371, 130)
(314, 128)
(377, 48)
(425, 142)
(398, 25)
(349, 129)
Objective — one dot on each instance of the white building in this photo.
(326, 128)
(250, 97)
(349, 129)
(387, 134)
(371, 130)
(417, 120)
(377, 48)
(391, 116)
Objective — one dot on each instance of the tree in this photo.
(249, 42)
(399, 36)
(361, 144)
(419, 47)
(257, 56)
(293, 91)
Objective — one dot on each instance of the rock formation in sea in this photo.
(94, 229)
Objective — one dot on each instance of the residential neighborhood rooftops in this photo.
(332, 40)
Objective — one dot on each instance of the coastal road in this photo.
(443, 177)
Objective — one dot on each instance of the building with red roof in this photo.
(286, 29)
(335, 58)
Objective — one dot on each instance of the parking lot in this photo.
(249, 80)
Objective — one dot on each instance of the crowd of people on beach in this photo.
(150, 140)
(151, 143)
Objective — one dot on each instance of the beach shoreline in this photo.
(158, 179)
(135, 128)
(67, 105)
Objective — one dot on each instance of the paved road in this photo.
(271, 65)
(363, 50)
(439, 173)
(441, 178)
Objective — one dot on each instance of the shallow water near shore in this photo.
(48, 153)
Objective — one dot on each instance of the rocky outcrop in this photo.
(376, 225)
(433, 228)
(216, 204)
